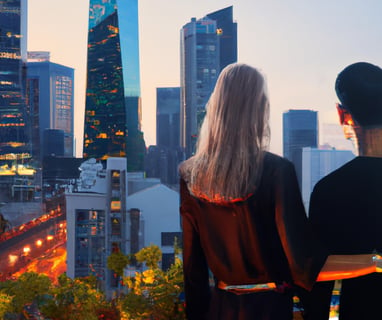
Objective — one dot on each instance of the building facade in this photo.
(162, 160)
(110, 210)
(168, 116)
(202, 45)
(113, 98)
(227, 31)
(50, 96)
(300, 129)
(14, 124)
(316, 164)
(96, 220)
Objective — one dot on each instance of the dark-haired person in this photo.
(242, 214)
(346, 206)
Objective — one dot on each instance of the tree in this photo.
(150, 255)
(154, 293)
(5, 301)
(73, 299)
(117, 262)
(29, 288)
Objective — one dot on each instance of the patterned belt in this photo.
(247, 288)
(252, 288)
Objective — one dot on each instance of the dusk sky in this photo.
(299, 45)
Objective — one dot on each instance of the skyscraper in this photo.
(14, 138)
(207, 46)
(300, 129)
(163, 159)
(168, 109)
(113, 98)
(50, 88)
(227, 30)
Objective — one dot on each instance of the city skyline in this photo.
(300, 47)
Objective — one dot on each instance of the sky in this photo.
(300, 46)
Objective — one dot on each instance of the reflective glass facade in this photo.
(50, 88)
(14, 139)
(199, 72)
(113, 103)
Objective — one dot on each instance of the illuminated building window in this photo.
(102, 136)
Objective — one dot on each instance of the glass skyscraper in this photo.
(207, 46)
(113, 99)
(14, 138)
(300, 129)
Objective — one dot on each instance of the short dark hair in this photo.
(359, 88)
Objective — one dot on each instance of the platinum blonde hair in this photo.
(234, 135)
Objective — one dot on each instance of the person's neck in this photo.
(370, 142)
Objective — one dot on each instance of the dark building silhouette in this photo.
(113, 99)
(163, 159)
(300, 129)
(54, 143)
(162, 163)
(14, 126)
(168, 115)
(207, 46)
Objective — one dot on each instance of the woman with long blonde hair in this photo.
(233, 137)
(242, 215)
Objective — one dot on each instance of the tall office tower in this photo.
(227, 30)
(316, 164)
(164, 158)
(204, 52)
(300, 129)
(50, 97)
(14, 138)
(168, 115)
(113, 98)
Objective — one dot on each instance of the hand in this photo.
(378, 262)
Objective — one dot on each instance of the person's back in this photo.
(346, 206)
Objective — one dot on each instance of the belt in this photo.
(248, 288)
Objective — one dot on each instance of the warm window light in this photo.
(49, 237)
(26, 249)
(119, 133)
(102, 136)
(12, 258)
(39, 243)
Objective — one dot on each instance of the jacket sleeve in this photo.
(304, 253)
(195, 268)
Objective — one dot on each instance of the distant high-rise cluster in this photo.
(113, 98)
(207, 46)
